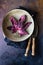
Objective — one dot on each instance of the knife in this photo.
(34, 35)
(28, 47)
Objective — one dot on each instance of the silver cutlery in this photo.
(28, 47)
(34, 35)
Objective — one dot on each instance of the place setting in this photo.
(18, 26)
(20, 30)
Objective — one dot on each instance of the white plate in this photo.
(17, 13)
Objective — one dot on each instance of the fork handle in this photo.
(33, 46)
(28, 47)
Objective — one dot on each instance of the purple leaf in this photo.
(9, 27)
(14, 30)
(22, 18)
(13, 20)
(21, 21)
(19, 26)
(26, 25)
(22, 32)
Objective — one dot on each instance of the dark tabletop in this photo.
(12, 52)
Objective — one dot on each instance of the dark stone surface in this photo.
(15, 56)
(9, 55)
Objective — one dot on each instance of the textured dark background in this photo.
(9, 55)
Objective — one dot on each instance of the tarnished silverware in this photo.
(33, 38)
(28, 47)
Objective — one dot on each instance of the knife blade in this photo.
(34, 35)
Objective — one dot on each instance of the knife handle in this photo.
(28, 47)
(33, 46)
